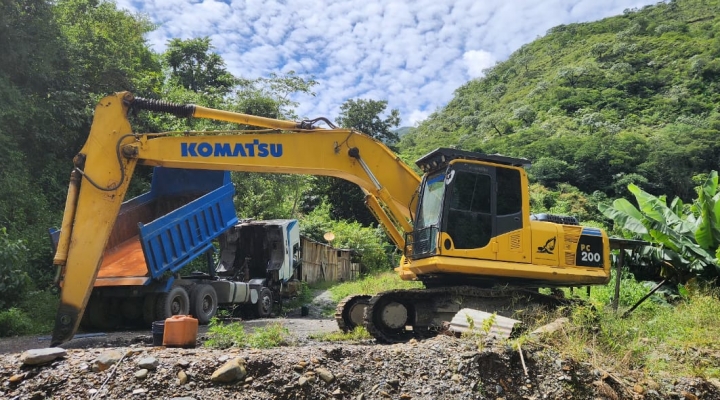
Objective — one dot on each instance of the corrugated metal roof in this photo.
(501, 328)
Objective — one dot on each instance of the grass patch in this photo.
(372, 284)
(273, 335)
(356, 335)
(656, 339)
(223, 335)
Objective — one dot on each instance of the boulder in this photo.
(106, 360)
(42, 356)
(231, 371)
(325, 375)
(149, 363)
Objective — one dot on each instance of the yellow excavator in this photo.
(464, 227)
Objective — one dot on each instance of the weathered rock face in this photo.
(42, 356)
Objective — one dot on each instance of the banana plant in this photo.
(685, 238)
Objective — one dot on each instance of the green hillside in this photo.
(632, 98)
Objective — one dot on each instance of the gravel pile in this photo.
(439, 368)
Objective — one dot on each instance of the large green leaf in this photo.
(707, 234)
(656, 209)
(626, 216)
(676, 205)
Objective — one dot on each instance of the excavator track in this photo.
(400, 315)
(350, 312)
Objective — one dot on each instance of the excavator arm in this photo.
(105, 165)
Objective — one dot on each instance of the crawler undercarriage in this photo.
(400, 315)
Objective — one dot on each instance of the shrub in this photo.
(14, 322)
(368, 243)
(222, 335)
(273, 335)
(13, 279)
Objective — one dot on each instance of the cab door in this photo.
(469, 223)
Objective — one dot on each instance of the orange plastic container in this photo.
(180, 331)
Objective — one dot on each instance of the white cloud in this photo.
(416, 116)
(477, 61)
(414, 54)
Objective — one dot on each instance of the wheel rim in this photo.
(266, 304)
(394, 315)
(176, 306)
(356, 314)
(207, 304)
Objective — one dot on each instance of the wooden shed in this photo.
(322, 262)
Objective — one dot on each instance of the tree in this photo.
(365, 116)
(269, 196)
(271, 97)
(195, 67)
(347, 201)
(550, 171)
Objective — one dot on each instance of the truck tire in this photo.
(265, 303)
(174, 302)
(149, 309)
(203, 303)
(101, 315)
(131, 310)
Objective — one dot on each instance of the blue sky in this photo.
(414, 54)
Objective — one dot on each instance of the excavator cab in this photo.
(466, 199)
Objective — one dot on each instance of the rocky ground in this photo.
(127, 366)
(439, 368)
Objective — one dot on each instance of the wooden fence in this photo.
(321, 263)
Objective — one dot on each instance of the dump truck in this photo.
(159, 233)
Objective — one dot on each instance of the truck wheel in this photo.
(265, 303)
(174, 302)
(203, 303)
(100, 314)
(131, 310)
(149, 309)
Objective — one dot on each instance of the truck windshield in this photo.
(431, 206)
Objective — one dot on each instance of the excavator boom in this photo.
(107, 161)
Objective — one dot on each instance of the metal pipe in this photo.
(618, 274)
(228, 116)
(644, 298)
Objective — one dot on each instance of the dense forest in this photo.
(595, 106)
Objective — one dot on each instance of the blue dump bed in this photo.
(178, 237)
(159, 232)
